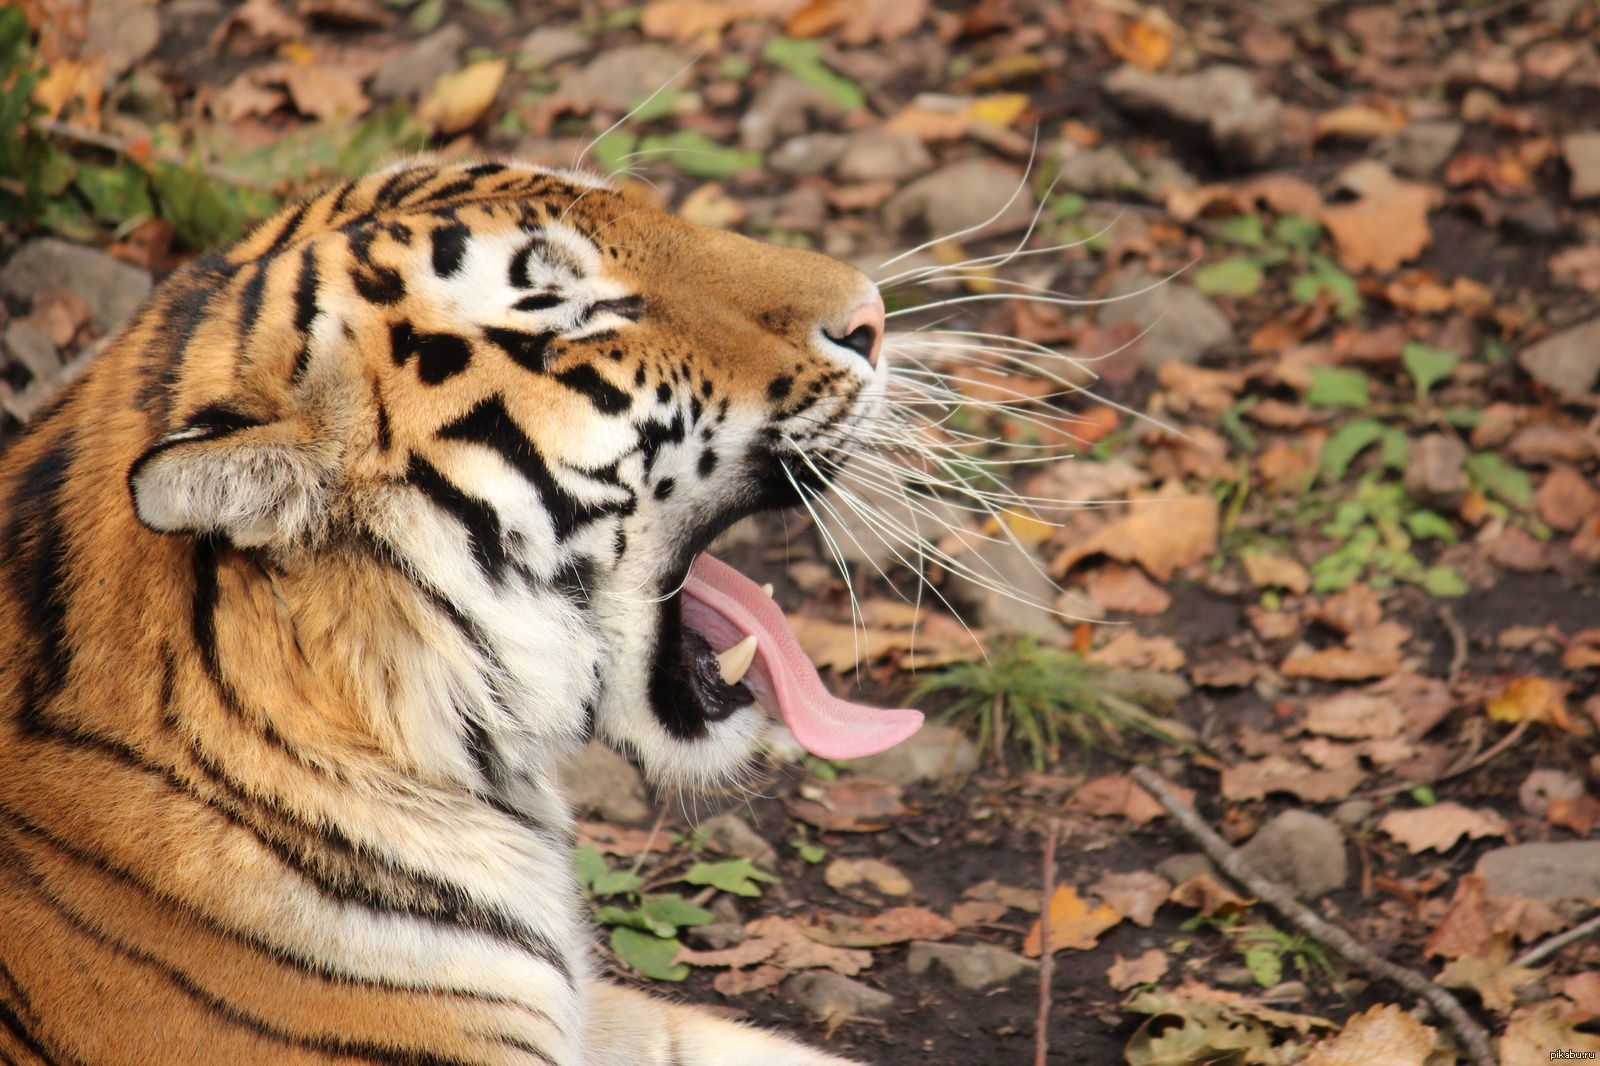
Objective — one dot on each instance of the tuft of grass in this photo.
(1035, 697)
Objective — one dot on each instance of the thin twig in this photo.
(1458, 643)
(1472, 1036)
(1047, 955)
(1543, 950)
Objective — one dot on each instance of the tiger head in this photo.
(508, 409)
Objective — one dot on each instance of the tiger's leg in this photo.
(628, 1028)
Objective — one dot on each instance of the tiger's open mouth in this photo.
(720, 610)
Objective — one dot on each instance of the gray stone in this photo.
(785, 107)
(1582, 152)
(718, 936)
(619, 80)
(1096, 171)
(34, 350)
(1568, 869)
(934, 753)
(552, 44)
(1176, 323)
(112, 289)
(1421, 148)
(833, 998)
(413, 72)
(599, 780)
(1222, 100)
(1352, 813)
(121, 33)
(974, 967)
(1009, 591)
(1301, 850)
(732, 835)
(808, 154)
(975, 194)
(1185, 865)
(1434, 470)
(1568, 361)
(874, 156)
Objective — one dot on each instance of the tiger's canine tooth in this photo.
(734, 663)
(767, 589)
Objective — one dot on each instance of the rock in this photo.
(121, 33)
(833, 998)
(874, 156)
(732, 835)
(1434, 471)
(601, 781)
(1301, 850)
(552, 44)
(785, 107)
(973, 967)
(1009, 592)
(934, 753)
(1568, 361)
(1185, 865)
(413, 72)
(966, 195)
(617, 80)
(1582, 152)
(1352, 813)
(112, 290)
(1566, 499)
(1420, 149)
(808, 154)
(718, 936)
(29, 346)
(1239, 119)
(1096, 171)
(1177, 324)
(1568, 869)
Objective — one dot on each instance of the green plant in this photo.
(1036, 697)
(1374, 529)
(1265, 949)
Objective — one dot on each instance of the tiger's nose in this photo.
(863, 331)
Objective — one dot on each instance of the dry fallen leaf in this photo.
(1163, 531)
(1584, 991)
(1022, 899)
(1535, 1035)
(1354, 716)
(1490, 975)
(1466, 928)
(1340, 664)
(1441, 826)
(796, 950)
(1072, 924)
(893, 926)
(1384, 1036)
(457, 101)
(842, 873)
(1136, 896)
(621, 840)
(1387, 226)
(1210, 897)
(1118, 795)
(1118, 587)
(1275, 571)
(324, 92)
(970, 912)
(1532, 699)
(710, 206)
(858, 805)
(1360, 122)
(1147, 969)
(1130, 650)
(1275, 773)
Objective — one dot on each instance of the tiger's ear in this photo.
(257, 484)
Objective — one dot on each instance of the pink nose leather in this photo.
(869, 314)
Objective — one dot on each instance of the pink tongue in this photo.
(724, 606)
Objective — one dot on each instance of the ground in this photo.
(1296, 440)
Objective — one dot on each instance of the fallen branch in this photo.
(1047, 953)
(1543, 950)
(1458, 643)
(1472, 1035)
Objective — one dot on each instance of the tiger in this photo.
(313, 581)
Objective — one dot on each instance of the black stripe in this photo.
(305, 291)
(629, 307)
(216, 420)
(527, 350)
(335, 208)
(250, 303)
(483, 170)
(604, 395)
(450, 189)
(519, 262)
(375, 282)
(539, 301)
(177, 317)
(286, 232)
(477, 517)
(12, 1021)
(481, 745)
(35, 550)
(440, 356)
(449, 248)
(489, 424)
